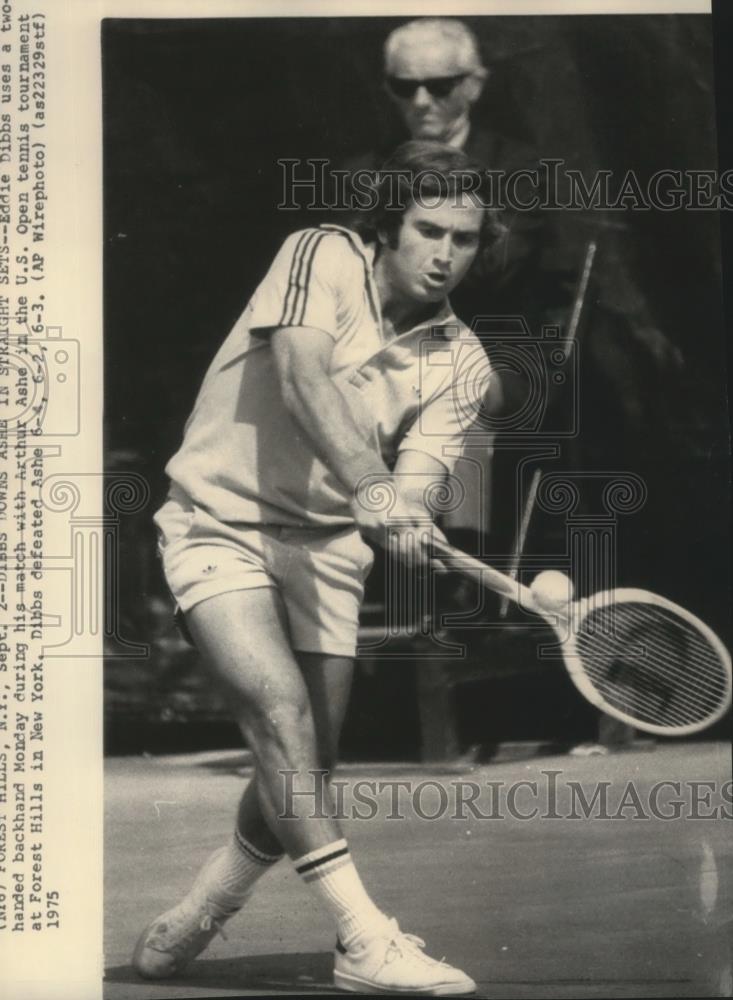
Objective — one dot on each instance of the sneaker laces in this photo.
(207, 922)
(216, 915)
(400, 942)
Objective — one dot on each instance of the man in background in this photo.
(434, 75)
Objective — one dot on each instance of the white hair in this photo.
(447, 29)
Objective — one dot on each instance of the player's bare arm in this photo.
(419, 475)
(302, 359)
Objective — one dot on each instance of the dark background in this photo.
(197, 112)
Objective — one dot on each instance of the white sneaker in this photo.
(395, 963)
(176, 937)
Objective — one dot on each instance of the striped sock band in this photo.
(254, 853)
(331, 872)
(234, 870)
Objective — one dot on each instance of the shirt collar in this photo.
(443, 323)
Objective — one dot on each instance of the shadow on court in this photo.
(547, 906)
(279, 973)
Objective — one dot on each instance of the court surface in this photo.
(543, 907)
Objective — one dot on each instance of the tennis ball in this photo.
(552, 590)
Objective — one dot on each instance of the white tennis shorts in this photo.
(319, 572)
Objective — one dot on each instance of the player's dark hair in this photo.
(423, 172)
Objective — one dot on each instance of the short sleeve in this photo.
(444, 424)
(303, 285)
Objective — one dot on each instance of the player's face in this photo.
(433, 87)
(435, 248)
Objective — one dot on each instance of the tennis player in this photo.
(322, 398)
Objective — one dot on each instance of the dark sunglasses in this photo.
(437, 86)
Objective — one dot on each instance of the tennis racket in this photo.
(632, 654)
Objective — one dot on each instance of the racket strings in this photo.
(655, 637)
(648, 708)
(653, 626)
(631, 673)
(651, 663)
(651, 707)
(654, 642)
(639, 681)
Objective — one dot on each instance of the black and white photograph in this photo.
(417, 619)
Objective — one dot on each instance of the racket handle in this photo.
(485, 575)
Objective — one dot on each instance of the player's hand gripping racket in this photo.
(633, 654)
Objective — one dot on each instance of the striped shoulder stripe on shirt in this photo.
(296, 296)
(357, 247)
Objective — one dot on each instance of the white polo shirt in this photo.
(244, 458)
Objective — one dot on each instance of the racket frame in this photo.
(566, 622)
(578, 675)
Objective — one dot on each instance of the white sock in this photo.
(331, 872)
(231, 873)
